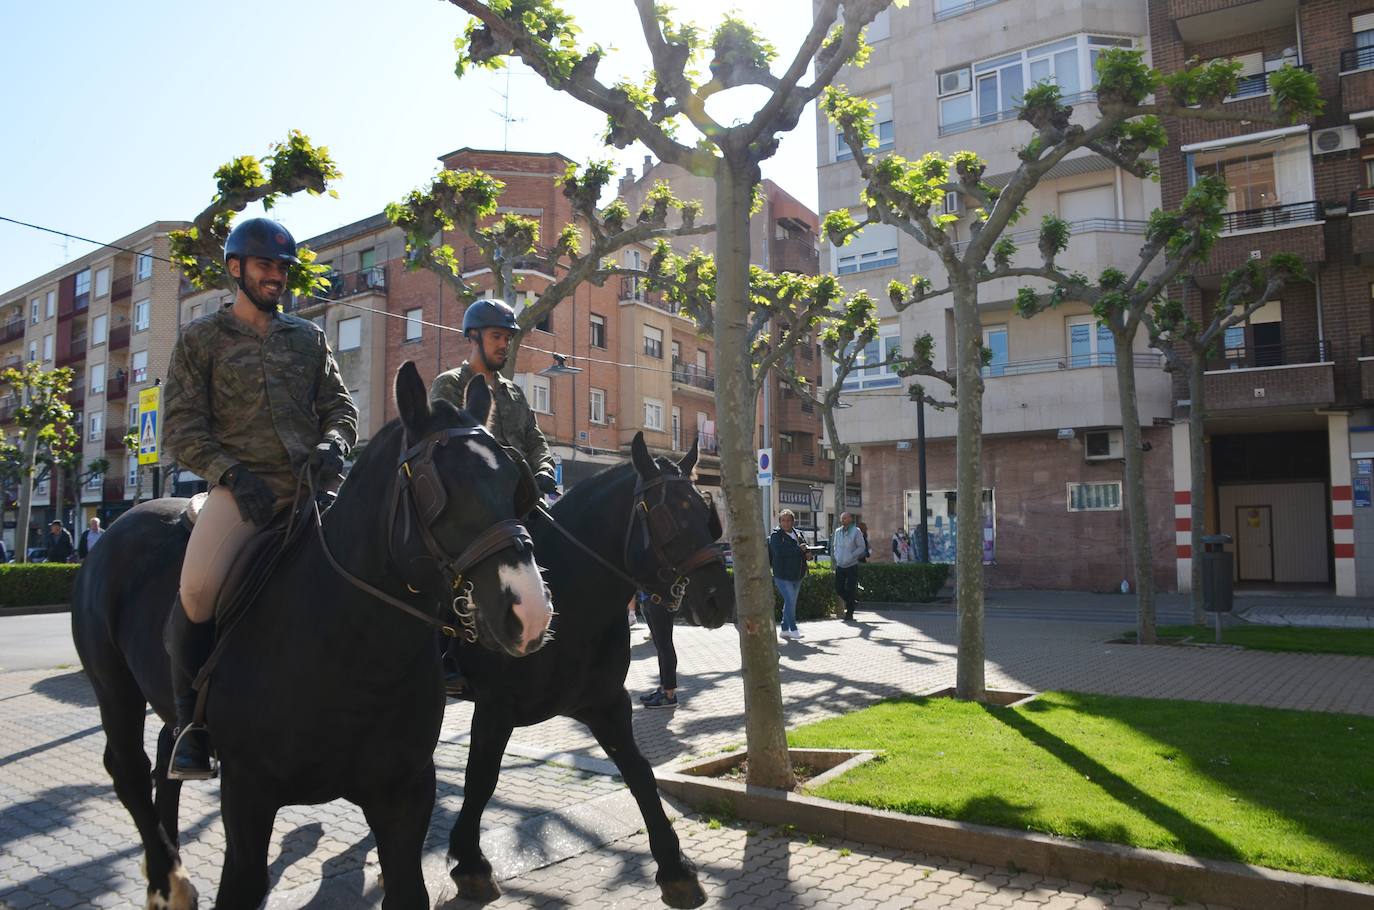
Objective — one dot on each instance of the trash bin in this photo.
(1216, 573)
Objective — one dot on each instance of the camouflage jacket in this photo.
(264, 401)
(513, 423)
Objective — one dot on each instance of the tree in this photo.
(542, 35)
(292, 166)
(46, 436)
(1187, 343)
(465, 199)
(1131, 99)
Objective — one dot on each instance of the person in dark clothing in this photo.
(787, 556)
(660, 621)
(60, 547)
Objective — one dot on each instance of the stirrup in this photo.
(212, 763)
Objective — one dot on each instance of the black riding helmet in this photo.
(261, 237)
(489, 314)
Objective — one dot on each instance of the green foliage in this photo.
(1210, 83)
(1123, 77)
(839, 226)
(452, 199)
(43, 415)
(552, 32)
(36, 584)
(883, 582)
(851, 114)
(1295, 92)
(1054, 236)
(738, 46)
(584, 189)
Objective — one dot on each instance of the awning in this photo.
(1244, 140)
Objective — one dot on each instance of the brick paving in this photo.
(66, 842)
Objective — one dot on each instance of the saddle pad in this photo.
(192, 510)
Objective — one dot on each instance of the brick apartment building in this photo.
(783, 238)
(946, 76)
(111, 317)
(1290, 430)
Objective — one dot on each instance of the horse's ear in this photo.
(412, 399)
(643, 461)
(689, 461)
(477, 399)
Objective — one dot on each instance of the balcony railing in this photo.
(708, 444)
(13, 331)
(12, 362)
(116, 388)
(958, 9)
(77, 395)
(1272, 217)
(114, 439)
(1070, 362)
(1011, 113)
(693, 375)
(637, 289)
(473, 260)
(1271, 355)
(119, 337)
(350, 283)
(1255, 84)
(1357, 58)
(123, 288)
(1084, 226)
(81, 302)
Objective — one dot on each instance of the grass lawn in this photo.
(1281, 638)
(1285, 789)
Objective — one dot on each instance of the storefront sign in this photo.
(794, 497)
(1364, 467)
(1361, 492)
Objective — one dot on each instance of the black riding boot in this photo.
(189, 645)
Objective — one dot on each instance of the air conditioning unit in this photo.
(954, 203)
(955, 81)
(1102, 445)
(1335, 139)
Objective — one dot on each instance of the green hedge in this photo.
(36, 584)
(881, 583)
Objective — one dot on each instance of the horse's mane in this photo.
(593, 488)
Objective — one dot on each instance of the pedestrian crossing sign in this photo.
(148, 427)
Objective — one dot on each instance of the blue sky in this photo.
(118, 114)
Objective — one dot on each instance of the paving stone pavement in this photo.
(66, 842)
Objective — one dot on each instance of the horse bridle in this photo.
(659, 529)
(418, 482)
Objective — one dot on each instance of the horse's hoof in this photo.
(478, 887)
(682, 893)
(181, 894)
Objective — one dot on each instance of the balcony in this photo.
(119, 337)
(1296, 228)
(1272, 217)
(75, 353)
(1290, 375)
(13, 331)
(1080, 391)
(122, 289)
(708, 444)
(693, 376)
(1367, 368)
(945, 11)
(114, 439)
(112, 490)
(636, 290)
(1011, 113)
(77, 395)
(117, 388)
(792, 254)
(1085, 226)
(1357, 58)
(1357, 79)
(473, 260)
(1200, 21)
(806, 465)
(1255, 85)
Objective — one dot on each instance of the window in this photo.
(882, 128)
(83, 288)
(598, 331)
(97, 383)
(98, 329)
(1090, 343)
(702, 363)
(538, 391)
(97, 427)
(367, 259)
(143, 315)
(874, 248)
(350, 334)
(52, 295)
(677, 430)
(95, 481)
(139, 366)
(1265, 348)
(133, 414)
(990, 90)
(47, 348)
(35, 310)
(598, 406)
(869, 371)
(33, 351)
(102, 282)
(653, 342)
(41, 487)
(1259, 175)
(995, 340)
(653, 414)
(413, 326)
(1094, 497)
(1088, 204)
(132, 469)
(143, 265)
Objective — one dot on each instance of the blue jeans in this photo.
(789, 591)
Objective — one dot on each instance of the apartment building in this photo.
(111, 317)
(783, 238)
(947, 76)
(1290, 430)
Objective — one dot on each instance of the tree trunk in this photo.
(1197, 454)
(1143, 555)
(970, 682)
(765, 733)
(21, 525)
(56, 484)
(840, 478)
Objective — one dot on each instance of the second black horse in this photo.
(650, 529)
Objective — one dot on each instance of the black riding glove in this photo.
(327, 461)
(546, 483)
(255, 498)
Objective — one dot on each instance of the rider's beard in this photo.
(260, 298)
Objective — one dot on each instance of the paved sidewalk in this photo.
(564, 833)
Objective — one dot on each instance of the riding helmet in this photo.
(261, 237)
(489, 314)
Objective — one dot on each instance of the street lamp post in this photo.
(923, 539)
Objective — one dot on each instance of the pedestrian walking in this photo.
(787, 555)
(847, 548)
(59, 543)
(89, 538)
(660, 621)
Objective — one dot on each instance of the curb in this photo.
(34, 609)
(1202, 880)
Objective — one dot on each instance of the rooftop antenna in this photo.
(504, 113)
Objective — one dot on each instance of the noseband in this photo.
(658, 530)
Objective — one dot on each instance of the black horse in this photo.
(322, 690)
(650, 529)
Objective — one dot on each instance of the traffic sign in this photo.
(149, 427)
(765, 467)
